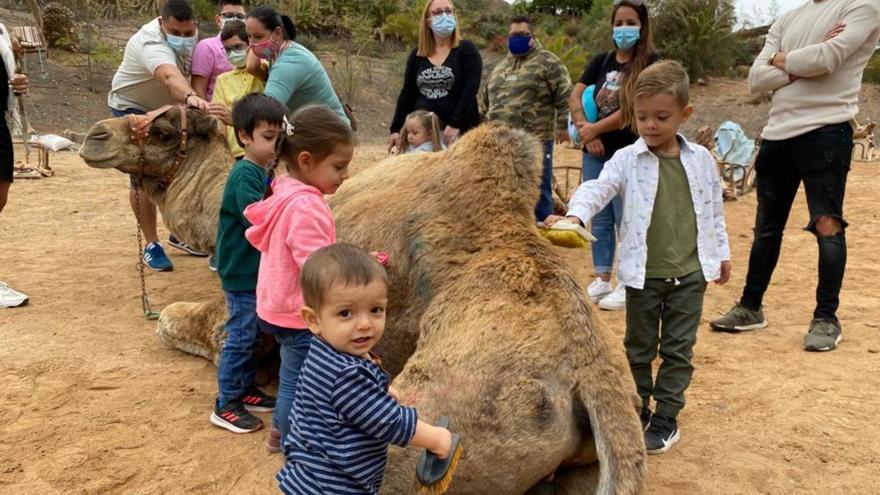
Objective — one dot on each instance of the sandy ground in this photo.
(91, 402)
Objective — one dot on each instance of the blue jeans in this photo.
(294, 348)
(603, 223)
(545, 201)
(235, 374)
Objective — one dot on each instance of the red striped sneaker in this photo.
(255, 400)
(235, 418)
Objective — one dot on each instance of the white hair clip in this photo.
(288, 127)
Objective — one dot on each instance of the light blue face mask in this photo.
(625, 37)
(443, 25)
(180, 44)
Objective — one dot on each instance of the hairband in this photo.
(288, 127)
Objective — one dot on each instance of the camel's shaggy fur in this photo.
(486, 324)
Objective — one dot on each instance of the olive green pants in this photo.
(664, 316)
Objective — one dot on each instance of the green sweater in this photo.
(237, 261)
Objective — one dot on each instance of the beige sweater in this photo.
(831, 70)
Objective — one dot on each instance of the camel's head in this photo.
(112, 143)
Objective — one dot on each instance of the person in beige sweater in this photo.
(812, 62)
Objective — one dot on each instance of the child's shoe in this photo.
(255, 400)
(645, 417)
(235, 418)
(662, 434)
(273, 441)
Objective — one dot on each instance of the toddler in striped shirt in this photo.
(344, 413)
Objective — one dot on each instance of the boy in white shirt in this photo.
(673, 240)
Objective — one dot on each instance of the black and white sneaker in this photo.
(645, 417)
(235, 418)
(185, 246)
(255, 400)
(661, 435)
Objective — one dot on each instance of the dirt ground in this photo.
(91, 402)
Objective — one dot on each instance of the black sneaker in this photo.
(235, 418)
(255, 400)
(645, 416)
(661, 435)
(183, 246)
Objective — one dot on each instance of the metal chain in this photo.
(145, 301)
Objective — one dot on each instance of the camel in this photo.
(486, 324)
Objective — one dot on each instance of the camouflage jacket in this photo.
(529, 92)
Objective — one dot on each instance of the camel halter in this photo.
(140, 132)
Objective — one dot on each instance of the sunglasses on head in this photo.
(637, 3)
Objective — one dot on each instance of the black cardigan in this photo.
(459, 107)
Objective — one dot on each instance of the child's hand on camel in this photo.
(553, 219)
(393, 392)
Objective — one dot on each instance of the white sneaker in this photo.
(615, 301)
(598, 289)
(10, 298)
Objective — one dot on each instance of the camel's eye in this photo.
(164, 135)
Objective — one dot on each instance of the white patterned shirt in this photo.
(633, 174)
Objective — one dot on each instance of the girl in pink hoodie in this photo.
(312, 155)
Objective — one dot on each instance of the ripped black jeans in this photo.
(820, 159)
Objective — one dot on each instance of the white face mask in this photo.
(238, 58)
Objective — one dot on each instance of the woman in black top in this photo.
(613, 76)
(442, 75)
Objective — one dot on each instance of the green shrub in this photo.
(872, 71)
(698, 33)
(573, 55)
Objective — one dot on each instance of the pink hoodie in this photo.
(286, 228)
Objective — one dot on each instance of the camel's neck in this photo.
(190, 205)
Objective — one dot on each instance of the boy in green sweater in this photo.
(257, 120)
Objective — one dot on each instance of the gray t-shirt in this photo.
(134, 85)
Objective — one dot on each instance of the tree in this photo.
(561, 7)
(698, 33)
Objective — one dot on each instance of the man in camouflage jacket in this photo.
(529, 90)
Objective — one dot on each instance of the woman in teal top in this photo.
(294, 76)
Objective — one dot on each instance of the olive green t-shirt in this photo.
(672, 235)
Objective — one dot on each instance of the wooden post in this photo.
(37, 12)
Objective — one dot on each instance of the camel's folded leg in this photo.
(572, 480)
(194, 328)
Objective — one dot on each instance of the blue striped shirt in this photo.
(342, 421)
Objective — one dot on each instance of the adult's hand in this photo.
(220, 111)
(562, 136)
(587, 132)
(596, 148)
(198, 102)
(450, 134)
(393, 141)
(835, 30)
(19, 83)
